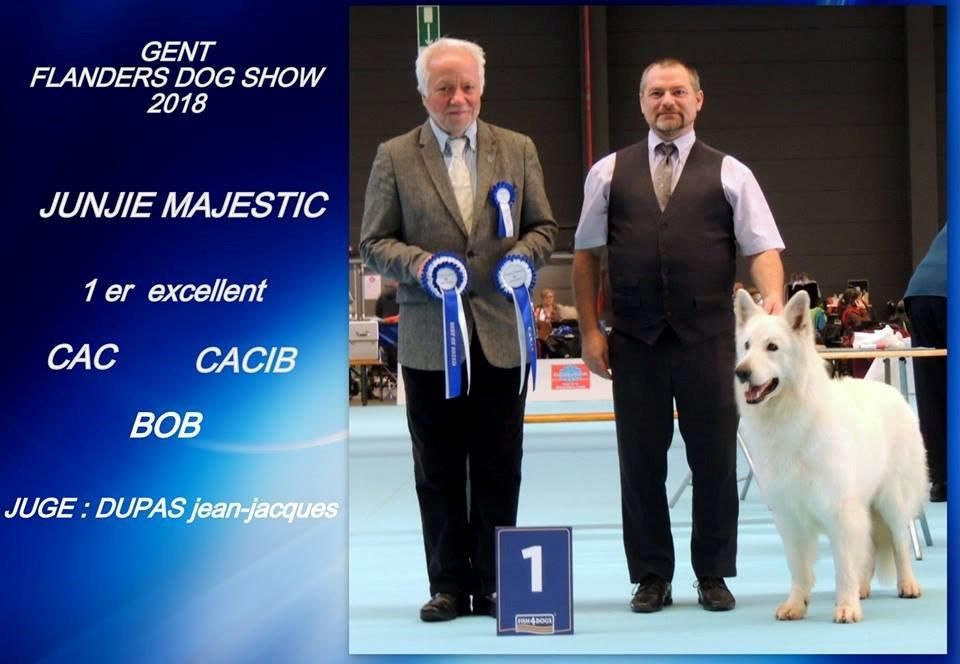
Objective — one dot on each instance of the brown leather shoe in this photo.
(445, 606)
(652, 594)
(485, 605)
(713, 594)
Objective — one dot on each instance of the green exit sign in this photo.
(428, 24)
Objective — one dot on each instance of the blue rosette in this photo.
(515, 277)
(503, 194)
(445, 277)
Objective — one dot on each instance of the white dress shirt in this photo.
(753, 223)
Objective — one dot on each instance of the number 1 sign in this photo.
(534, 581)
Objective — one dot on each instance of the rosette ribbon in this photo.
(503, 194)
(445, 278)
(515, 276)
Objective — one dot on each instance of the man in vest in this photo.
(670, 211)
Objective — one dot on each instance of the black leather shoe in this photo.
(445, 606)
(485, 605)
(938, 492)
(652, 594)
(713, 594)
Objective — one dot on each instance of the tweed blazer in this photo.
(410, 212)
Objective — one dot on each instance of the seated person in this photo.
(545, 315)
(855, 316)
(547, 310)
(557, 331)
(818, 316)
(853, 310)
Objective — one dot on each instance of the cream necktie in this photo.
(663, 174)
(460, 179)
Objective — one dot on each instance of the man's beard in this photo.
(669, 123)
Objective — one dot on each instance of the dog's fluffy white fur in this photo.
(840, 457)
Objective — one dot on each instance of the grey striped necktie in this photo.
(663, 174)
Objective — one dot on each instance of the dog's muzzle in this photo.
(757, 393)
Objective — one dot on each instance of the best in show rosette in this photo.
(445, 278)
(503, 194)
(515, 276)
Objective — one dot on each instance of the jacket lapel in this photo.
(433, 160)
(486, 163)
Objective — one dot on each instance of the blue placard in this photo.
(534, 581)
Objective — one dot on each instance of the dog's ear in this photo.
(797, 311)
(745, 307)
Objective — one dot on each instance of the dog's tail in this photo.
(884, 567)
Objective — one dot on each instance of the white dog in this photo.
(843, 457)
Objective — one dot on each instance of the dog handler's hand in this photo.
(773, 304)
(595, 353)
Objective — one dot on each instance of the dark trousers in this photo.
(482, 431)
(928, 327)
(646, 379)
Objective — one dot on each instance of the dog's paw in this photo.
(909, 588)
(847, 614)
(791, 610)
(864, 591)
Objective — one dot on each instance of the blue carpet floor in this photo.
(570, 478)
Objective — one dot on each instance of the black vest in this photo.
(673, 268)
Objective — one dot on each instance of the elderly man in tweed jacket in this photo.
(413, 208)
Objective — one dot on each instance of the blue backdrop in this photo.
(161, 589)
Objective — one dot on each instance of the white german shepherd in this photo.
(844, 457)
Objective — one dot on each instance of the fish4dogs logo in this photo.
(570, 377)
(535, 623)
